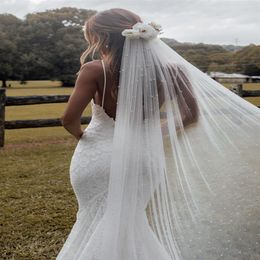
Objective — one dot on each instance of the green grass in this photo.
(38, 206)
(37, 202)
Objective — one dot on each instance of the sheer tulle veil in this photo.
(185, 160)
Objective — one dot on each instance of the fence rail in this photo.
(46, 99)
(32, 100)
(17, 124)
(29, 100)
(238, 89)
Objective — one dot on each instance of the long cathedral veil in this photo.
(185, 161)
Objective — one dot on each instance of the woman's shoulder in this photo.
(94, 67)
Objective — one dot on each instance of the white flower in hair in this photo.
(142, 30)
(156, 26)
(131, 33)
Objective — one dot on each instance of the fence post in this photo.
(238, 89)
(2, 116)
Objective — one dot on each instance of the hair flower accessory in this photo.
(143, 30)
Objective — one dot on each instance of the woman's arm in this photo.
(181, 91)
(186, 99)
(84, 90)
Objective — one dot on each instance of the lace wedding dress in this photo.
(89, 175)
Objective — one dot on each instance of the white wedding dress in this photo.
(89, 175)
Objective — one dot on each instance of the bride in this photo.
(168, 166)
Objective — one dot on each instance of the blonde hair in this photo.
(103, 31)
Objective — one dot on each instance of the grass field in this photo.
(38, 206)
(37, 203)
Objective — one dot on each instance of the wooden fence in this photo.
(238, 89)
(31, 100)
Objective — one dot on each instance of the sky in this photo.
(234, 22)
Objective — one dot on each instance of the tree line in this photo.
(47, 45)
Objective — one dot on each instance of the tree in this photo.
(8, 47)
(52, 43)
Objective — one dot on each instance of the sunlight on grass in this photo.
(53, 110)
(34, 135)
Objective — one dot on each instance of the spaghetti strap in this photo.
(105, 81)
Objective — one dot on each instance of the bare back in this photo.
(90, 85)
(106, 82)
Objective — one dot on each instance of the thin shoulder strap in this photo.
(105, 81)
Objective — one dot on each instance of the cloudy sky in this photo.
(207, 21)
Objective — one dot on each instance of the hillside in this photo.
(225, 58)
